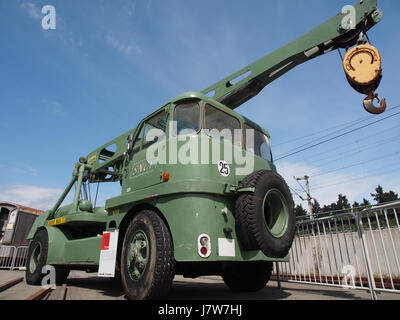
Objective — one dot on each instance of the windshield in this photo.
(187, 118)
(258, 143)
(222, 125)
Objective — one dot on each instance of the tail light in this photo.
(204, 245)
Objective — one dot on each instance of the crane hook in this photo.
(369, 105)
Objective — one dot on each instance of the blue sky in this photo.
(108, 64)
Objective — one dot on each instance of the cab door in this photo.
(146, 164)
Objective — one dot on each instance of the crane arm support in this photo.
(243, 85)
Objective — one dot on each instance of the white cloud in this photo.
(127, 49)
(31, 196)
(32, 10)
(54, 107)
(20, 169)
(26, 169)
(326, 187)
(130, 8)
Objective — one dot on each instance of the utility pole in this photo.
(309, 198)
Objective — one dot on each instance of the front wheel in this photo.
(147, 259)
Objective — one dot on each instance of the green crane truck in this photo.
(200, 194)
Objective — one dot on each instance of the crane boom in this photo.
(243, 85)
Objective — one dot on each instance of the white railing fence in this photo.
(12, 257)
(359, 250)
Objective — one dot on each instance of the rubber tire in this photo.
(160, 269)
(247, 276)
(35, 277)
(250, 220)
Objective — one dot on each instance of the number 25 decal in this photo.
(223, 168)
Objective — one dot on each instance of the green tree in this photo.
(357, 207)
(343, 202)
(341, 205)
(316, 207)
(300, 211)
(382, 197)
(365, 203)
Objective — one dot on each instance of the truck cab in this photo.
(195, 131)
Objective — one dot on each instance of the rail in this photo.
(41, 294)
(356, 250)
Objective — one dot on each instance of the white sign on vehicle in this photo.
(223, 168)
(226, 247)
(108, 254)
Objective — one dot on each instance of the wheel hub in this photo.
(138, 255)
(276, 213)
(35, 257)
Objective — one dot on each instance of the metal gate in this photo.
(12, 257)
(358, 250)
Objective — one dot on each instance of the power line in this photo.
(321, 131)
(355, 179)
(350, 152)
(356, 164)
(353, 145)
(336, 137)
(314, 171)
(294, 190)
(334, 127)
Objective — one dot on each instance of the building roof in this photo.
(22, 208)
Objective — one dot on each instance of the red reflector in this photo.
(165, 177)
(203, 250)
(105, 242)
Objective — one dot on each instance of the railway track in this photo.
(17, 289)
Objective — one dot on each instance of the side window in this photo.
(222, 125)
(187, 118)
(265, 151)
(152, 131)
(258, 143)
(138, 142)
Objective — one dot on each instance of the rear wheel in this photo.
(247, 277)
(36, 258)
(147, 259)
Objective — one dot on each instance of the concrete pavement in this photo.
(83, 286)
